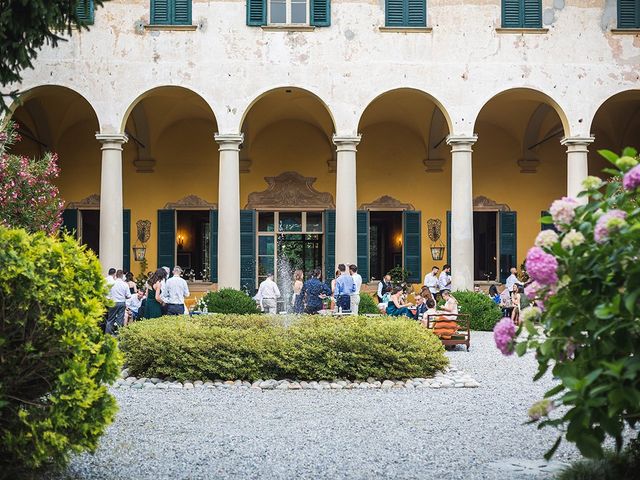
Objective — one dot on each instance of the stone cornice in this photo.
(346, 142)
(112, 138)
(229, 141)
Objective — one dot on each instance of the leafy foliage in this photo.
(612, 466)
(228, 300)
(483, 310)
(259, 346)
(28, 25)
(367, 304)
(28, 199)
(54, 360)
(590, 336)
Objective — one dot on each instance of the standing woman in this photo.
(298, 277)
(133, 288)
(153, 305)
(515, 301)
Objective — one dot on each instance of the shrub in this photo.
(586, 284)
(367, 304)
(483, 310)
(54, 359)
(612, 466)
(228, 300)
(257, 346)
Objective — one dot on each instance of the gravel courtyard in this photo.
(452, 433)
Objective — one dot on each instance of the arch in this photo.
(437, 102)
(284, 88)
(132, 104)
(612, 96)
(529, 94)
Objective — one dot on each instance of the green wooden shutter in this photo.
(508, 243)
(257, 13)
(449, 237)
(85, 12)
(363, 245)
(181, 12)
(329, 245)
(532, 14)
(320, 13)
(412, 244)
(213, 245)
(416, 15)
(512, 14)
(166, 238)
(160, 12)
(628, 14)
(248, 251)
(126, 240)
(394, 13)
(70, 221)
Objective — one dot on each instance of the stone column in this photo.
(229, 210)
(461, 211)
(111, 228)
(346, 200)
(577, 164)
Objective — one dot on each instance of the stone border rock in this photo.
(450, 378)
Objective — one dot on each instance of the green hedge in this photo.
(257, 346)
(367, 304)
(483, 310)
(228, 300)
(54, 359)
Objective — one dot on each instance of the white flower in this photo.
(563, 211)
(546, 238)
(572, 239)
(591, 183)
(531, 314)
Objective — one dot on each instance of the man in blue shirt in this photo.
(313, 292)
(345, 287)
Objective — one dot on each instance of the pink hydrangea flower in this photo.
(503, 333)
(542, 266)
(563, 211)
(603, 226)
(631, 179)
(532, 290)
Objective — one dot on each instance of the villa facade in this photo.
(262, 134)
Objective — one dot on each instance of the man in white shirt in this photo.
(512, 279)
(174, 292)
(357, 280)
(119, 294)
(444, 280)
(431, 281)
(134, 303)
(110, 279)
(268, 294)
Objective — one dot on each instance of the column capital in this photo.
(229, 141)
(461, 142)
(105, 138)
(577, 142)
(346, 142)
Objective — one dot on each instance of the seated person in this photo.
(445, 326)
(133, 306)
(396, 306)
(493, 293)
(451, 304)
(430, 305)
(421, 306)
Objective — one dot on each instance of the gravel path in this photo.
(428, 433)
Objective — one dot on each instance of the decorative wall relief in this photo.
(290, 190)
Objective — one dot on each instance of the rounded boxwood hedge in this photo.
(483, 310)
(367, 304)
(54, 359)
(228, 300)
(258, 346)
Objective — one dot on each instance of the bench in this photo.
(451, 329)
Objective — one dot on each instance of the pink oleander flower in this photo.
(631, 179)
(542, 266)
(563, 211)
(608, 223)
(546, 238)
(503, 333)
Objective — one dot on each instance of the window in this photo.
(406, 13)
(84, 12)
(316, 13)
(171, 12)
(521, 13)
(628, 14)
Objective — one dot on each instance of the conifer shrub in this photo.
(483, 311)
(367, 304)
(250, 347)
(54, 359)
(229, 300)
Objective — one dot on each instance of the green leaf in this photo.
(631, 298)
(588, 445)
(546, 220)
(629, 152)
(521, 348)
(555, 390)
(609, 155)
(552, 450)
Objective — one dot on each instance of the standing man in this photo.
(174, 292)
(344, 289)
(163, 286)
(268, 294)
(357, 281)
(512, 279)
(384, 286)
(118, 294)
(444, 280)
(431, 281)
(110, 278)
(313, 292)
